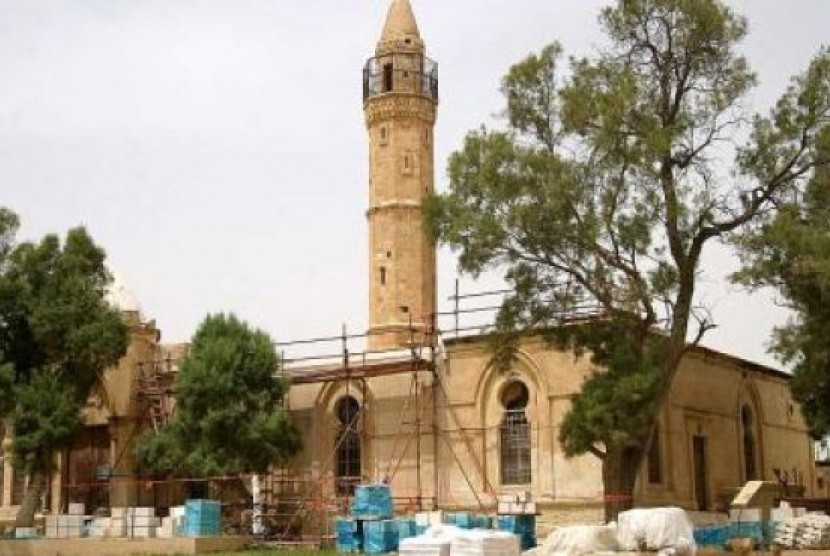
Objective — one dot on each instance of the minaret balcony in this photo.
(401, 73)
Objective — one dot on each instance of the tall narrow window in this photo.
(515, 436)
(383, 276)
(348, 467)
(749, 444)
(655, 460)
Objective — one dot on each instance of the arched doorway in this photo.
(514, 435)
(348, 466)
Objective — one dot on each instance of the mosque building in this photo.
(432, 416)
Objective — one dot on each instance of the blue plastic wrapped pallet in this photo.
(203, 518)
(517, 523)
(464, 520)
(349, 535)
(406, 528)
(527, 541)
(372, 502)
(483, 522)
(380, 536)
(714, 536)
(523, 526)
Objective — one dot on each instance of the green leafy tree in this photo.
(229, 415)
(57, 337)
(791, 253)
(603, 189)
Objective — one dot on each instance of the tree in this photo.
(57, 337)
(604, 188)
(229, 416)
(791, 253)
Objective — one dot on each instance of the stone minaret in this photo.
(400, 96)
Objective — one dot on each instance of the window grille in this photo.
(515, 448)
(348, 468)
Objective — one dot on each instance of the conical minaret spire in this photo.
(400, 33)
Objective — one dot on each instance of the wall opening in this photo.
(750, 444)
(387, 77)
(515, 436)
(18, 486)
(655, 459)
(383, 276)
(701, 475)
(348, 465)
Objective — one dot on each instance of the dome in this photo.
(120, 296)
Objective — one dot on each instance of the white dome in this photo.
(121, 297)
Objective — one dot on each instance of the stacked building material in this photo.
(517, 514)
(406, 528)
(203, 518)
(424, 520)
(380, 536)
(425, 546)
(463, 520)
(467, 520)
(523, 526)
(25, 533)
(372, 502)
(174, 524)
(712, 536)
(485, 543)
(809, 532)
(516, 503)
(101, 527)
(118, 523)
(141, 522)
(71, 525)
(349, 534)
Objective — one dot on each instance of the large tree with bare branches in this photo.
(605, 186)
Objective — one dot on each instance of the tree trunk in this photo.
(619, 473)
(31, 500)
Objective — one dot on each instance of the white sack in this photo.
(656, 529)
(580, 540)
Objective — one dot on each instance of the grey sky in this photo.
(216, 148)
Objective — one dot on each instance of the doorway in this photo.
(701, 486)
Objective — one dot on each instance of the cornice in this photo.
(390, 106)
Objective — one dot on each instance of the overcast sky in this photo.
(216, 148)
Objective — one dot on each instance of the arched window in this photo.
(347, 462)
(515, 436)
(749, 444)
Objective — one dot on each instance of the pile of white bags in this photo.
(668, 530)
(578, 540)
(809, 532)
